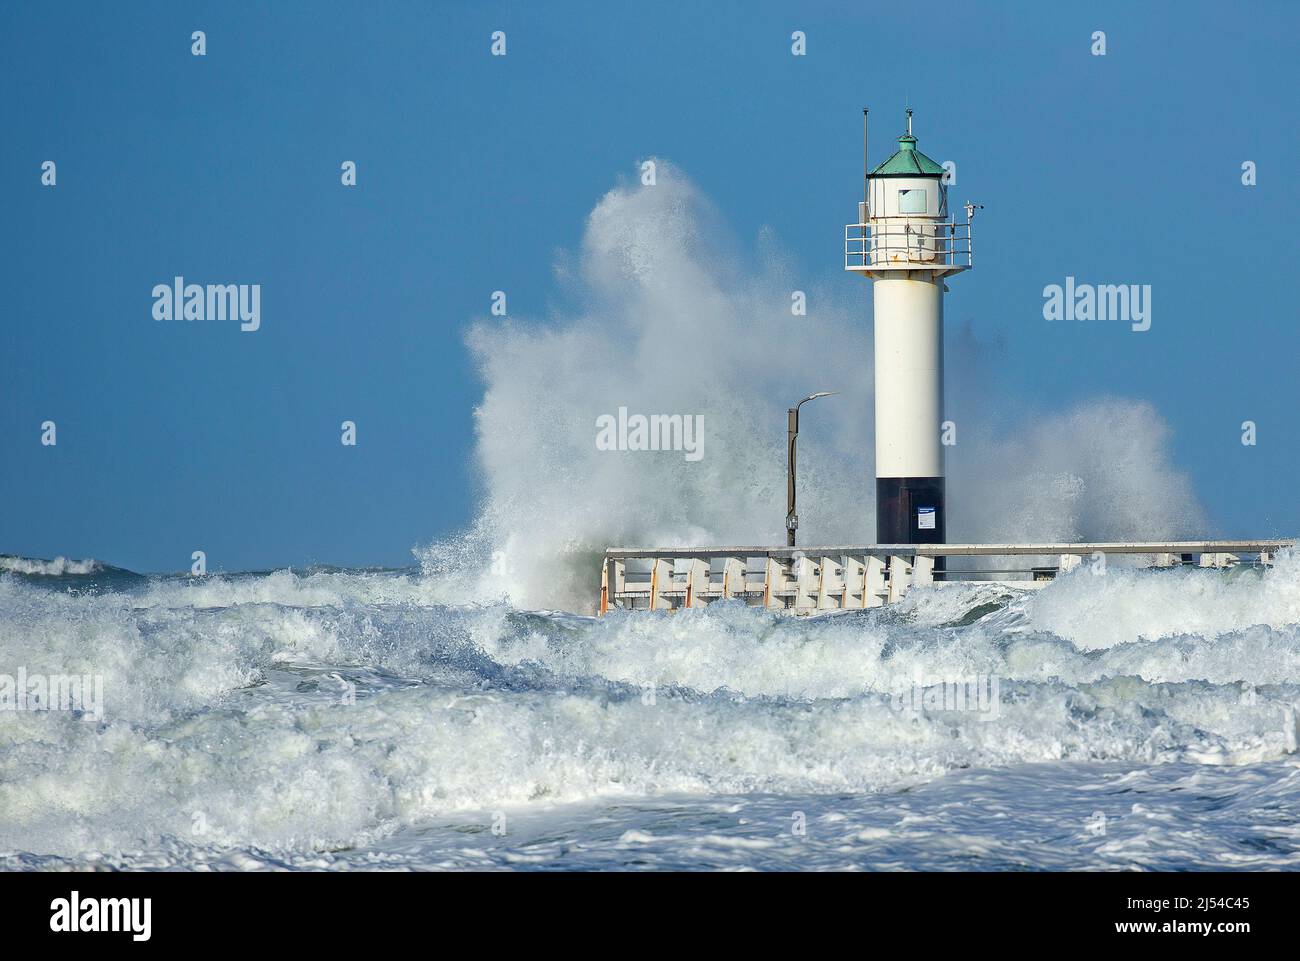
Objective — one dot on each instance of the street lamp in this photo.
(791, 518)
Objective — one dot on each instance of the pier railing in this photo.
(803, 580)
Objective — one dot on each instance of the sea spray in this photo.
(672, 315)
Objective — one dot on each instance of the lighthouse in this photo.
(906, 243)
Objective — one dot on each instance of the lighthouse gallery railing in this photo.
(922, 244)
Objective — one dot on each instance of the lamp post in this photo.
(791, 518)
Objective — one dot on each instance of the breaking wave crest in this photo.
(58, 567)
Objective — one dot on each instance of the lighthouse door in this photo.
(925, 520)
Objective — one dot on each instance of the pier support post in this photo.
(899, 572)
(805, 586)
(661, 579)
(873, 579)
(733, 577)
(830, 583)
(852, 578)
(773, 583)
(697, 582)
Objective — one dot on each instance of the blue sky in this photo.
(473, 171)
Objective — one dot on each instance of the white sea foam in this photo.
(232, 717)
(1100, 612)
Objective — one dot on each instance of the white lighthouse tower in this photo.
(905, 242)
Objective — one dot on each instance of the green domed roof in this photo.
(908, 162)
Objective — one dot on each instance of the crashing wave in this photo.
(58, 567)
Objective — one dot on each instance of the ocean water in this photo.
(336, 719)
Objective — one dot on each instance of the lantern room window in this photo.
(912, 200)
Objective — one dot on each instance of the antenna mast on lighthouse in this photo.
(905, 243)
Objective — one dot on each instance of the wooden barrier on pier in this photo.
(805, 580)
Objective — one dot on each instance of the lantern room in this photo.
(903, 221)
